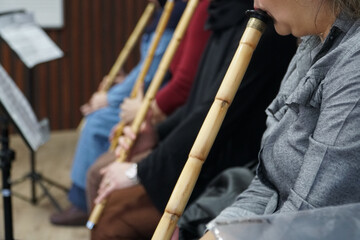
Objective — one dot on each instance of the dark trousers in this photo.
(128, 214)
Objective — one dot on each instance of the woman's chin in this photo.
(281, 31)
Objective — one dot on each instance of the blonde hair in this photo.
(350, 7)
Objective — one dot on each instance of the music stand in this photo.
(17, 110)
(33, 46)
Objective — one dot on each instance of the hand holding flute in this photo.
(114, 174)
(99, 99)
(131, 106)
(113, 178)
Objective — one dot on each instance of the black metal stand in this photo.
(35, 177)
(7, 156)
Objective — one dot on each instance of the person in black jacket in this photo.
(139, 192)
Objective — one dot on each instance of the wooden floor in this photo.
(53, 161)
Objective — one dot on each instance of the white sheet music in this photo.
(48, 13)
(16, 105)
(29, 41)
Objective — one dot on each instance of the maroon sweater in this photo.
(185, 63)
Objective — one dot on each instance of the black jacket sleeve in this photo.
(162, 2)
(164, 128)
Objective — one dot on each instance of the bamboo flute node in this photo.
(151, 92)
(211, 125)
(160, 28)
(125, 52)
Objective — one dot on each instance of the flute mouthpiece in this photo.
(90, 225)
(259, 14)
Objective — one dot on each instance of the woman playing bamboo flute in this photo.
(309, 156)
(102, 113)
(244, 125)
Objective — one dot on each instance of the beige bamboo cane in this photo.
(125, 52)
(209, 130)
(165, 16)
(150, 93)
(129, 45)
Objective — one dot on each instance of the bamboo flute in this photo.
(125, 52)
(150, 93)
(129, 45)
(160, 28)
(211, 126)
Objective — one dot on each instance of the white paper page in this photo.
(17, 106)
(29, 41)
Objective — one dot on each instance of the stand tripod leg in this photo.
(51, 182)
(52, 199)
(33, 184)
(37, 178)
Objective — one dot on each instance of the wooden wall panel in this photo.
(92, 37)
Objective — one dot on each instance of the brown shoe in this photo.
(70, 217)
